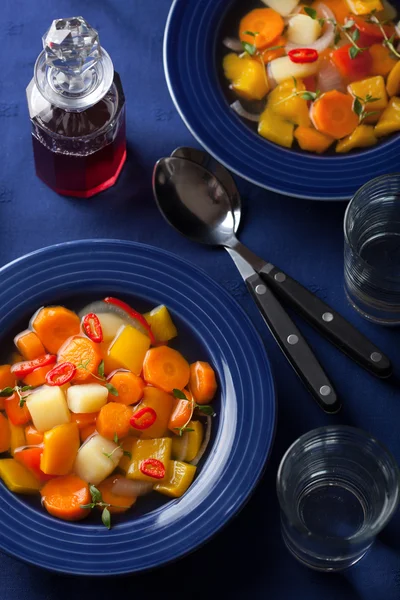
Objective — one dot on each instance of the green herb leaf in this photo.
(21, 402)
(311, 12)
(95, 493)
(7, 391)
(128, 454)
(369, 98)
(308, 95)
(111, 389)
(116, 440)
(100, 370)
(338, 37)
(358, 107)
(249, 48)
(206, 409)
(91, 505)
(179, 394)
(355, 35)
(183, 429)
(349, 24)
(252, 33)
(295, 82)
(25, 388)
(354, 52)
(106, 518)
(369, 114)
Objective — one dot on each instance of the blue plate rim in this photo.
(269, 384)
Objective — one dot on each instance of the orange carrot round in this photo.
(54, 325)
(120, 503)
(203, 384)
(129, 386)
(265, 23)
(63, 497)
(18, 415)
(38, 376)
(81, 351)
(166, 368)
(333, 114)
(7, 379)
(5, 434)
(29, 344)
(268, 55)
(181, 414)
(114, 420)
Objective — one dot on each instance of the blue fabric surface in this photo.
(248, 558)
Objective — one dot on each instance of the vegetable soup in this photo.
(98, 409)
(317, 75)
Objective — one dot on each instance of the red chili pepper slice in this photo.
(92, 327)
(143, 418)
(134, 314)
(61, 374)
(22, 369)
(303, 55)
(153, 468)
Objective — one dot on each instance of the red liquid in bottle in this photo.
(81, 153)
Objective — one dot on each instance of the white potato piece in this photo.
(303, 30)
(92, 464)
(110, 324)
(283, 68)
(283, 7)
(87, 397)
(48, 408)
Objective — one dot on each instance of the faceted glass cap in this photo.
(71, 45)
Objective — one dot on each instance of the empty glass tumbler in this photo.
(337, 488)
(372, 250)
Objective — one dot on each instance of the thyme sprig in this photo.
(100, 376)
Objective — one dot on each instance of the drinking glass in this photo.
(337, 487)
(372, 250)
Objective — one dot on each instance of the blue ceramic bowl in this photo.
(192, 59)
(212, 327)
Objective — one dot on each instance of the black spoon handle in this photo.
(293, 345)
(328, 322)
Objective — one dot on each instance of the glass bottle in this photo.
(77, 110)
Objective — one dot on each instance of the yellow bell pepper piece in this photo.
(390, 119)
(129, 349)
(288, 106)
(393, 81)
(364, 7)
(374, 87)
(382, 60)
(5, 434)
(275, 129)
(312, 140)
(161, 324)
(17, 478)
(180, 476)
(161, 403)
(248, 76)
(159, 449)
(17, 437)
(187, 446)
(362, 137)
(60, 448)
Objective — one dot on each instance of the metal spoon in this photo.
(195, 203)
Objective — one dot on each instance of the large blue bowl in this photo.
(192, 57)
(213, 327)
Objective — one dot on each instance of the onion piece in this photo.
(242, 112)
(329, 78)
(101, 307)
(327, 38)
(204, 445)
(233, 44)
(129, 488)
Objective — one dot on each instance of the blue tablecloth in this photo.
(247, 559)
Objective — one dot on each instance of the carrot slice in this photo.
(54, 325)
(81, 351)
(7, 379)
(63, 497)
(5, 434)
(268, 55)
(29, 344)
(166, 368)
(18, 415)
(114, 420)
(203, 384)
(182, 411)
(38, 376)
(129, 386)
(33, 436)
(265, 23)
(121, 503)
(333, 114)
